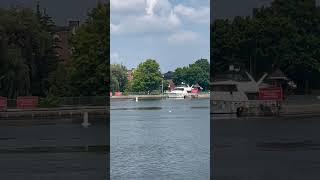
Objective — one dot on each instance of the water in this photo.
(266, 148)
(160, 139)
(51, 149)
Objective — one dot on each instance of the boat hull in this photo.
(176, 96)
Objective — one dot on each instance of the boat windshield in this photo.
(179, 89)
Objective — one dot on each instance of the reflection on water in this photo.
(161, 139)
(288, 146)
(55, 149)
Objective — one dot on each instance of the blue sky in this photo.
(174, 32)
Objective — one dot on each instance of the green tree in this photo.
(147, 77)
(198, 72)
(15, 80)
(119, 77)
(89, 71)
(285, 35)
(180, 75)
(26, 44)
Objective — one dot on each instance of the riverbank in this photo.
(155, 97)
(287, 111)
(140, 97)
(66, 114)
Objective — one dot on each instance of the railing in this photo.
(69, 101)
(84, 101)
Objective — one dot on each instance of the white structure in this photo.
(228, 95)
(180, 91)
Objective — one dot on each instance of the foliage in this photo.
(165, 85)
(26, 51)
(285, 35)
(119, 78)
(49, 102)
(60, 81)
(89, 71)
(147, 77)
(197, 72)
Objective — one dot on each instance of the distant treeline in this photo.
(29, 64)
(147, 76)
(284, 35)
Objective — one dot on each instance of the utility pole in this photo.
(162, 83)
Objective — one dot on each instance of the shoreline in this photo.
(100, 113)
(155, 97)
(64, 114)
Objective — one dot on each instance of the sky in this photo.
(60, 10)
(173, 32)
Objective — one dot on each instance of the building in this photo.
(168, 75)
(62, 38)
(130, 74)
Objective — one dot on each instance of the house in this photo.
(62, 37)
(168, 75)
(171, 85)
(196, 89)
(130, 74)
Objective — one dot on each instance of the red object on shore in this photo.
(195, 91)
(118, 93)
(110, 94)
(3, 103)
(274, 93)
(26, 102)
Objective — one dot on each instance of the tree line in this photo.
(29, 64)
(284, 35)
(148, 78)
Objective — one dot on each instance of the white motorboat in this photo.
(180, 92)
(230, 93)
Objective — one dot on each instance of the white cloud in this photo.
(183, 37)
(150, 6)
(159, 7)
(125, 6)
(197, 15)
(153, 16)
(146, 24)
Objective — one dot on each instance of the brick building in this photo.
(130, 74)
(62, 37)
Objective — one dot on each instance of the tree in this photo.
(89, 71)
(180, 75)
(285, 35)
(15, 80)
(147, 77)
(198, 72)
(119, 78)
(26, 52)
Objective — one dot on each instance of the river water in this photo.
(160, 139)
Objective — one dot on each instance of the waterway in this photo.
(266, 148)
(160, 139)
